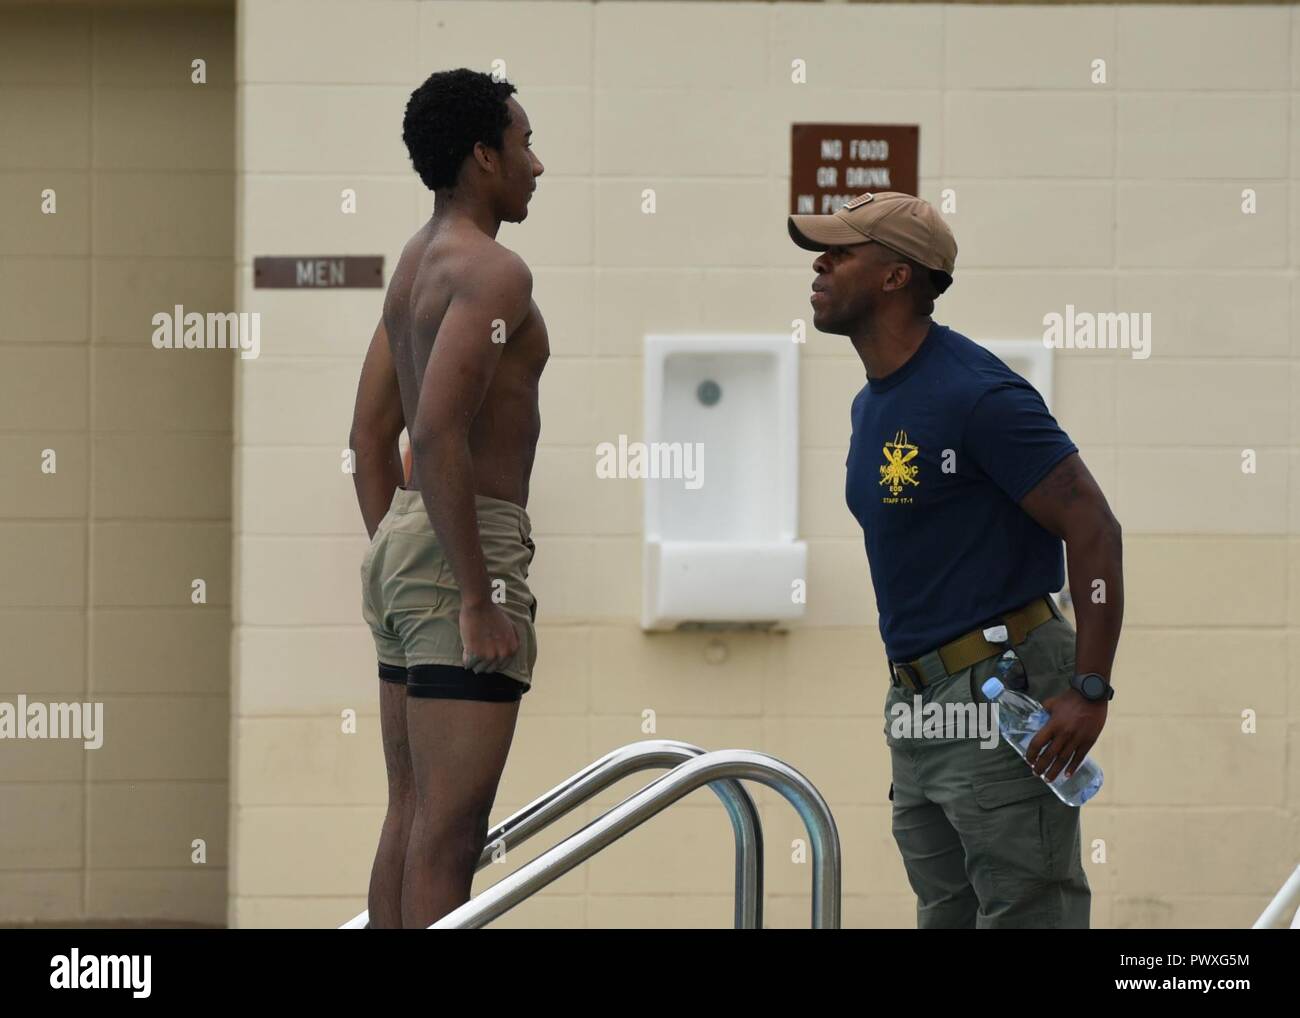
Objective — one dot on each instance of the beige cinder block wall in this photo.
(98, 557)
(1122, 196)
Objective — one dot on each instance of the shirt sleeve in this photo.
(1013, 437)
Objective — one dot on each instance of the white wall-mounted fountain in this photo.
(1028, 358)
(721, 509)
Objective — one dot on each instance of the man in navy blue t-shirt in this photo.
(966, 487)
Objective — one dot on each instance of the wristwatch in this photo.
(1094, 687)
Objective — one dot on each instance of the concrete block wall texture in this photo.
(1117, 197)
(97, 558)
(1122, 196)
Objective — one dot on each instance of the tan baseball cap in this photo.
(901, 222)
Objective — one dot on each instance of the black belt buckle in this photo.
(914, 683)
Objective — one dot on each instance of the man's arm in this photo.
(376, 425)
(492, 300)
(1016, 442)
(1069, 504)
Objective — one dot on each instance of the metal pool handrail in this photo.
(609, 770)
(653, 799)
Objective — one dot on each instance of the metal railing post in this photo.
(609, 770)
(1284, 901)
(653, 799)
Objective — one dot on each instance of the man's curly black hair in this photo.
(447, 115)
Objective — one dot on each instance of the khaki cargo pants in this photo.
(986, 843)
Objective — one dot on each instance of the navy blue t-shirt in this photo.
(943, 449)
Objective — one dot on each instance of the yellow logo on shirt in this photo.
(898, 469)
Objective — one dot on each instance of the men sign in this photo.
(318, 272)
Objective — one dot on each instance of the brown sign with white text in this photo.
(831, 163)
(318, 272)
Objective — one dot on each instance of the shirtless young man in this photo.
(455, 360)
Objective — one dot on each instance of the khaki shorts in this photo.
(409, 595)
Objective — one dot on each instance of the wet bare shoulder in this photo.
(495, 279)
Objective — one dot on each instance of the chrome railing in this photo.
(1286, 900)
(612, 768)
(727, 764)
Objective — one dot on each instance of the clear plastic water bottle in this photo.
(1020, 716)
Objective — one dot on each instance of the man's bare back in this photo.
(503, 434)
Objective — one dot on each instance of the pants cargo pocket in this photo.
(1019, 849)
(1048, 652)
